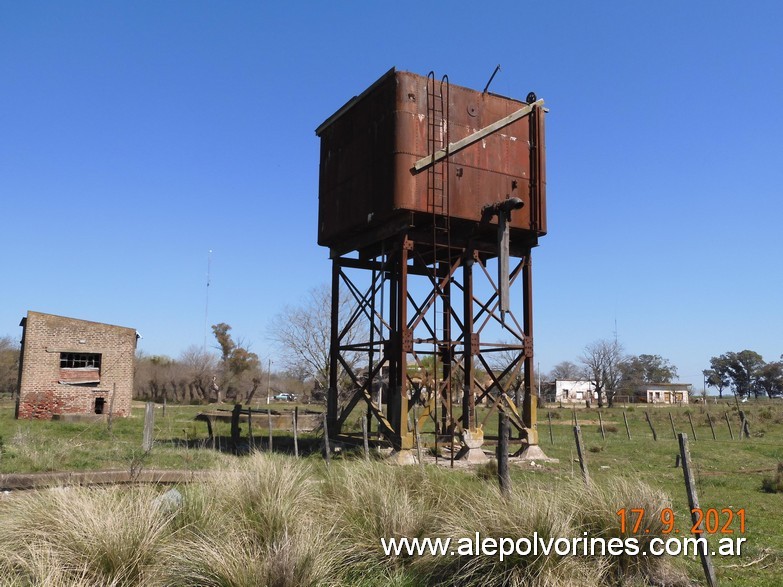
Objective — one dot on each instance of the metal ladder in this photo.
(438, 204)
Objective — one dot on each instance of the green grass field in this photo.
(728, 472)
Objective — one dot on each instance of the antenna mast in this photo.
(206, 303)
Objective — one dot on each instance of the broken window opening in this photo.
(80, 369)
(80, 360)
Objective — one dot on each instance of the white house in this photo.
(571, 391)
(663, 393)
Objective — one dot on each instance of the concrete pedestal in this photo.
(533, 452)
(471, 452)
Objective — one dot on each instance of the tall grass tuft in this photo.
(596, 510)
(96, 536)
(369, 501)
(528, 512)
(257, 524)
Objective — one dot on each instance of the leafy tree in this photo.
(636, 370)
(716, 377)
(741, 370)
(240, 368)
(602, 360)
(770, 378)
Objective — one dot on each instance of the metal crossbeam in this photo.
(475, 137)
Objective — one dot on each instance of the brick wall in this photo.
(45, 337)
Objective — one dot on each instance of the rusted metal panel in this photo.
(370, 146)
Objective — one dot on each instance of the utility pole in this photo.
(268, 380)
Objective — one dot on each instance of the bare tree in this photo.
(201, 368)
(158, 377)
(602, 360)
(303, 334)
(188, 379)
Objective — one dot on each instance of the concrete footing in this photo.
(471, 452)
(533, 452)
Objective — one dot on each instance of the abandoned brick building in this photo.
(71, 366)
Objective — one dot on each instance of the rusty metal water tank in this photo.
(369, 147)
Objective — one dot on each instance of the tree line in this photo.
(302, 335)
(198, 375)
(745, 373)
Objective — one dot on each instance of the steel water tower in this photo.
(431, 198)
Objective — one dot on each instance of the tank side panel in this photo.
(493, 169)
(356, 179)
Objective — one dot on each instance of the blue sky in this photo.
(137, 136)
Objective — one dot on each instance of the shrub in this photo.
(773, 484)
(765, 413)
(488, 471)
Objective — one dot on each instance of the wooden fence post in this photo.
(692, 428)
(149, 427)
(674, 431)
(269, 421)
(712, 428)
(647, 416)
(627, 430)
(295, 416)
(251, 441)
(327, 449)
(580, 451)
(744, 426)
(551, 438)
(693, 502)
(601, 423)
(365, 438)
(504, 477)
(416, 436)
(111, 405)
(728, 423)
(235, 436)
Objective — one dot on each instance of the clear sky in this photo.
(137, 136)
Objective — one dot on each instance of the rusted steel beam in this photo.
(475, 137)
(530, 401)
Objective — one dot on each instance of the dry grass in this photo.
(254, 525)
(99, 537)
(283, 522)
